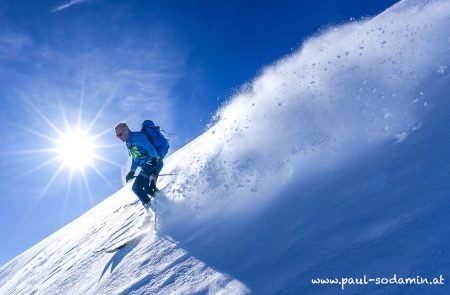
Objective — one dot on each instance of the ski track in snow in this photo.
(330, 163)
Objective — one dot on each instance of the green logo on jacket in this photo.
(134, 152)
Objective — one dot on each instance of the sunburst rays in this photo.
(56, 138)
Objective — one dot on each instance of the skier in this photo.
(143, 155)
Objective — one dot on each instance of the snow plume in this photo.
(345, 91)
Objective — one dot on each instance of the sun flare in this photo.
(76, 149)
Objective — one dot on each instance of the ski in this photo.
(124, 244)
(120, 245)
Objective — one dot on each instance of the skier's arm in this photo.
(134, 164)
(132, 152)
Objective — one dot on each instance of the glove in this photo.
(129, 176)
(154, 162)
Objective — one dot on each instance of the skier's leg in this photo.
(150, 172)
(139, 185)
(159, 168)
(156, 172)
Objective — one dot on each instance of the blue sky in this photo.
(92, 63)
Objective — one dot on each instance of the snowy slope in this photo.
(332, 163)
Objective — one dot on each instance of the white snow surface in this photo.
(333, 162)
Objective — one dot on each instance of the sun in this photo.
(76, 149)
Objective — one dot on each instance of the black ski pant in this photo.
(142, 186)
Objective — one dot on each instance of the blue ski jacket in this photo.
(140, 149)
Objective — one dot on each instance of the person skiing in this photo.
(145, 156)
